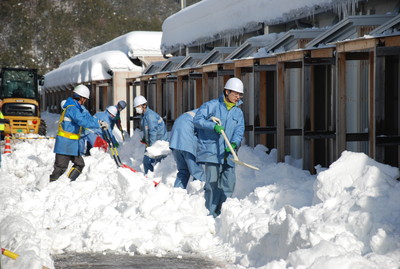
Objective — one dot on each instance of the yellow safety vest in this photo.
(1, 125)
(66, 134)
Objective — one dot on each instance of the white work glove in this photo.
(103, 124)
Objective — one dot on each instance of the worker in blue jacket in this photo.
(183, 143)
(106, 116)
(117, 119)
(212, 149)
(72, 120)
(153, 128)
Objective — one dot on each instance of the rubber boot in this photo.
(73, 174)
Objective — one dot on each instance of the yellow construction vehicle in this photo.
(19, 90)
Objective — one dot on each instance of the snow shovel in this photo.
(235, 157)
(100, 143)
(114, 151)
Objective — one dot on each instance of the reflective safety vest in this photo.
(62, 132)
(1, 125)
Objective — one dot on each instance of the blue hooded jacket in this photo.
(153, 127)
(75, 117)
(183, 136)
(211, 145)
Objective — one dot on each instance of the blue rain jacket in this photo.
(75, 117)
(93, 133)
(153, 127)
(115, 119)
(84, 136)
(105, 116)
(183, 136)
(211, 145)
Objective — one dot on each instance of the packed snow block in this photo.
(158, 150)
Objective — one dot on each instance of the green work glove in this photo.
(218, 128)
(234, 146)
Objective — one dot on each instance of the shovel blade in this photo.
(130, 168)
(245, 164)
(133, 170)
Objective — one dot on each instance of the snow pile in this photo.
(280, 217)
(196, 24)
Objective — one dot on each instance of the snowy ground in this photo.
(348, 216)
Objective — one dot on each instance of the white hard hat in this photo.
(112, 110)
(62, 103)
(139, 100)
(122, 104)
(82, 91)
(234, 84)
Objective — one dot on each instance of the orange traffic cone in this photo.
(7, 147)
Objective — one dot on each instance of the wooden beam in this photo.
(210, 68)
(263, 104)
(281, 112)
(175, 99)
(372, 122)
(205, 87)
(128, 107)
(268, 61)
(341, 104)
(391, 41)
(237, 72)
(179, 96)
(145, 78)
(183, 72)
(162, 75)
(228, 66)
(322, 53)
(199, 92)
(291, 55)
(142, 88)
(354, 45)
(245, 63)
(159, 100)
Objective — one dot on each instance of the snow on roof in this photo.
(93, 65)
(133, 44)
(94, 68)
(209, 19)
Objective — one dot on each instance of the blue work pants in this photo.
(220, 184)
(148, 163)
(186, 165)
